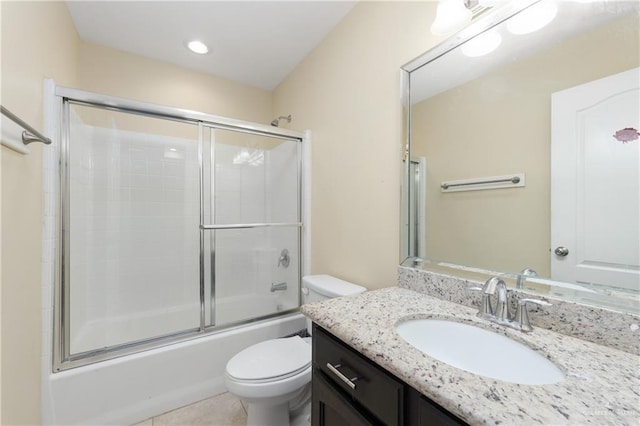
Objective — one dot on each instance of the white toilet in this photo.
(273, 377)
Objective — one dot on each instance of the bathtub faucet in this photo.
(278, 287)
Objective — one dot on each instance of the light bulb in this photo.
(533, 18)
(197, 46)
(451, 16)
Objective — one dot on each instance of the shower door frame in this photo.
(209, 229)
(64, 98)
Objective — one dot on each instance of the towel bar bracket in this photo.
(30, 134)
(28, 138)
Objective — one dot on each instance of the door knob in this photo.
(561, 251)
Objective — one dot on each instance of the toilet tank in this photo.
(322, 287)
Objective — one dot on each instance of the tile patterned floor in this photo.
(220, 410)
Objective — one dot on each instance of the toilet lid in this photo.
(270, 359)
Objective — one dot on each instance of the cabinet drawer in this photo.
(367, 383)
(331, 408)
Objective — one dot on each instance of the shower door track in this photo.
(173, 113)
(62, 358)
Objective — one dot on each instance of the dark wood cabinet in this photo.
(349, 389)
(332, 407)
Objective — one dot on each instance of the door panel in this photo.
(595, 202)
(251, 206)
(132, 229)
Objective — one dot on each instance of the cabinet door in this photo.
(330, 407)
(421, 411)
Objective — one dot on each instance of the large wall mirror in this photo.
(524, 151)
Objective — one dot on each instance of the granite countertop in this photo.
(602, 385)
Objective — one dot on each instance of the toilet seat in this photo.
(270, 361)
(270, 379)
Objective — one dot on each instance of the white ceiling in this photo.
(253, 42)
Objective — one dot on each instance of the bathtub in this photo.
(133, 388)
(118, 330)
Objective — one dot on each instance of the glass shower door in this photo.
(174, 224)
(131, 228)
(252, 209)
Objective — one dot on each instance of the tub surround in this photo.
(600, 386)
(155, 381)
(598, 325)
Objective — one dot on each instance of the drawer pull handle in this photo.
(334, 370)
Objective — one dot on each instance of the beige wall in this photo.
(38, 41)
(116, 73)
(501, 124)
(48, 47)
(347, 91)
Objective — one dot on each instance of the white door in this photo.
(595, 182)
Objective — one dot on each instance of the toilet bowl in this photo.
(273, 378)
(267, 376)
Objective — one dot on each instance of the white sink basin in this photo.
(479, 351)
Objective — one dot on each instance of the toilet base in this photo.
(302, 416)
(281, 411)
(267, 415)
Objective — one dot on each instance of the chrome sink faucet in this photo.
(501, 315)
(494, 286)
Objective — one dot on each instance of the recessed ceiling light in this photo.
(197, 46)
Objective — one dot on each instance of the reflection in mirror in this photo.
(531, 153)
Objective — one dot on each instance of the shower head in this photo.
(276, 121)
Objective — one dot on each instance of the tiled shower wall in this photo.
(134, 236)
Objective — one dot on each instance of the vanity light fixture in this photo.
(454, 15)
(482, 44)
(196, 46)
(533, 18)
(451, 16)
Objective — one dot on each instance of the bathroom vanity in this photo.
(349, 389)
(398, 384)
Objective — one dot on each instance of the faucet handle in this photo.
(522, 316)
